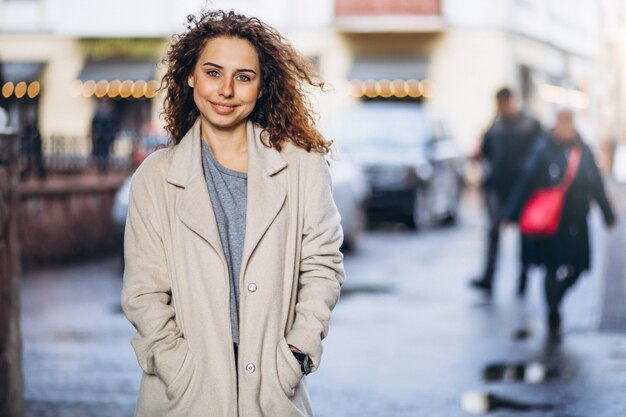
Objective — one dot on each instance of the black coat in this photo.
(546, 167)
(505, 147)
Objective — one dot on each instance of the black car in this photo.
(412, 164)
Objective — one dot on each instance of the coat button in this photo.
(252, 287)
(250, 368)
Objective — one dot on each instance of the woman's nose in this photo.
(226, 89)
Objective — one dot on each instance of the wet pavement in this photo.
(408, 338)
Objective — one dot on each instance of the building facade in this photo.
(448, 55)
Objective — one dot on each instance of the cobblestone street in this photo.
(408, 338)
(77, 356)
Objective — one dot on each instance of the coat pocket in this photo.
(182, 380)
(288, 367)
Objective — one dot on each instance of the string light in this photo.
(391, 88)
(33, 89)
(102, 87)
(398, 89)
(413, 88)
(114, 88)
(7, 89)
(139, 88)
(153, 87)
(384, 89)
(427, 87)
(89, 87)
(126, 89)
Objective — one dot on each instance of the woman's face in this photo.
(226, 82)
(564, 129)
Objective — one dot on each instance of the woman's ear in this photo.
(260, 94)
(190, 81)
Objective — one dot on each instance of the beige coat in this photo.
(176, 284)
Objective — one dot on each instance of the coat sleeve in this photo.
(523, 188)
(485, 145)
(321, 263)
(597, 189)
(146, 292)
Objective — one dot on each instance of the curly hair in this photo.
(283, 111)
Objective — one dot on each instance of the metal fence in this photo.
(74, 154)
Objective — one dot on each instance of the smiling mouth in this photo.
(222, 107)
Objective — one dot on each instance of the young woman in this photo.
(565, 255)
(232, 238)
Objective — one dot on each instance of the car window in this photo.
(386, 126)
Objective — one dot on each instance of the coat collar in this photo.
(187, 163)
(266, 194)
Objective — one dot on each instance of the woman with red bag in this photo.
(564, 253)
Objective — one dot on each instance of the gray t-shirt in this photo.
(228, 190)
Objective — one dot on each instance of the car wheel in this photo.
(351, 237)
(454, 200)
(422, 210)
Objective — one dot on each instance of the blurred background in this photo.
(410, 88)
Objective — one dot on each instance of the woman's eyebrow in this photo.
(221, 67)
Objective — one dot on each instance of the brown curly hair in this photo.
(283, 111)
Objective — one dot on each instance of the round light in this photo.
(413, 88)
(114, 88)
(398, 88)
(20, 89)
(76, 88)
(428, 88)
(7, 89)
(139, 88)
(102, 87)
(126, 89)
(385, 88)
(370, 88)
(33, 89)
(153, 88)
(89, 87)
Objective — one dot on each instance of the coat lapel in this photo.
(193, 206)
(266, 195)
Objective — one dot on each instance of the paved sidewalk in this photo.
(78, 361)
(407, 339)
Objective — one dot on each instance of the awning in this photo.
(388, 68)
(118, 69)
(16, 72)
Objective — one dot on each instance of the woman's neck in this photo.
(225, 140)
(228, 146)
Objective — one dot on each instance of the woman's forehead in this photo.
(229, 52)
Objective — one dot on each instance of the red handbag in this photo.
(542, 213)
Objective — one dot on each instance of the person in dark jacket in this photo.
(32, 153)
(103, 131)
(566, 254)
(504, 149)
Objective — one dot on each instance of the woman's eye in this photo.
(242, 77)
(212, 73)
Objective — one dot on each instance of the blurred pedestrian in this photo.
(32, 154)
(103, 130)
(504, 149)
(564, 254)
(232, 239)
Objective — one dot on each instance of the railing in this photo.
(74, 154)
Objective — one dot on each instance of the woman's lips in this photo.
(223, 108)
